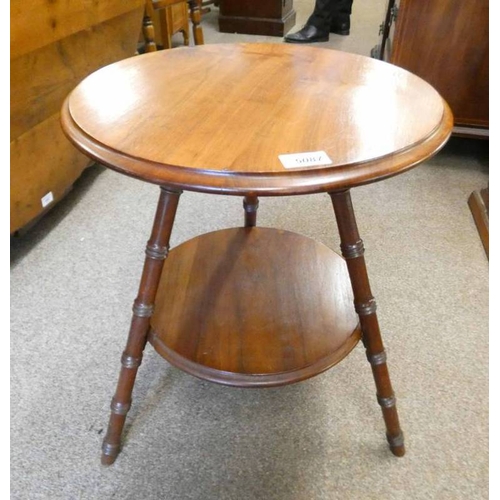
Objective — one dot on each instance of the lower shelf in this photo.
(254, 307)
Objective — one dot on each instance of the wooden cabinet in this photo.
(256, 17)
(168, 21)
(54, 45)
(446, 42)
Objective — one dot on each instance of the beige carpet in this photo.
(74, 277)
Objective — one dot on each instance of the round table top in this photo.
(256, 118)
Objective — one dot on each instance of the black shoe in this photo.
(341, 25)
(308, 34)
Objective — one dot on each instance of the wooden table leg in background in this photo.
(148, 29)
(195, 14)
(353, 250)
(479, 204)
(156, 252)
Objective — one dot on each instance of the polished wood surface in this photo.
(250, 205)
(447, 43)
(353, 251)
(254, 307)
(54, 45)
(156, 251)
(216, 118)
(38, 23)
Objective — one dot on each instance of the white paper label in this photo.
(304, 160)
(47, 199)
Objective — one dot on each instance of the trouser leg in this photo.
(327, 11)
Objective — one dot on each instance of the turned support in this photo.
(195, 14)
(156, 252)
(365, 305)
(148, 30)
(250, 205)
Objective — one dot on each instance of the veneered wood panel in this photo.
(255, 8)
(275, 98)
(218, 118)
(43, 161)
(40, 80)
(256, 17)
(446, 42)
(36, 23)
(45, 66)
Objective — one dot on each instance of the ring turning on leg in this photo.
(156, 252)
(365, 305)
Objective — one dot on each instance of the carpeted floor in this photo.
(74, 277)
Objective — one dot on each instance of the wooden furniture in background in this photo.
(163, 18)
(171, 20)
(479, 204)
(54, 45)
(256, 17)
(446, 43)
(253, 307)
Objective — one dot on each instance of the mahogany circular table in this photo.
(251, 306)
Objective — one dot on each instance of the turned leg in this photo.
(250, 205)
(195, 14)
(148, 30)
(156, 251)
(165, 34)
(353, 250)
(185, 35)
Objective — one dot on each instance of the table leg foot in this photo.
(156, 252)
(250, 205)
(365, 305)
(396, 444)
(109, 453)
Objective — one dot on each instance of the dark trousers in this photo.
(327, 10)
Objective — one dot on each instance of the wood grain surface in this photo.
(37, 23)
(54, 45)
(254, 307)
(216, 118)
(447, 43)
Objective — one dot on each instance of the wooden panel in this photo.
(45, 66)
(255, 8)
(446, 42)
(256, 17)
(36, 23)
(169, 21)
(42, 161)
(43, 78)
